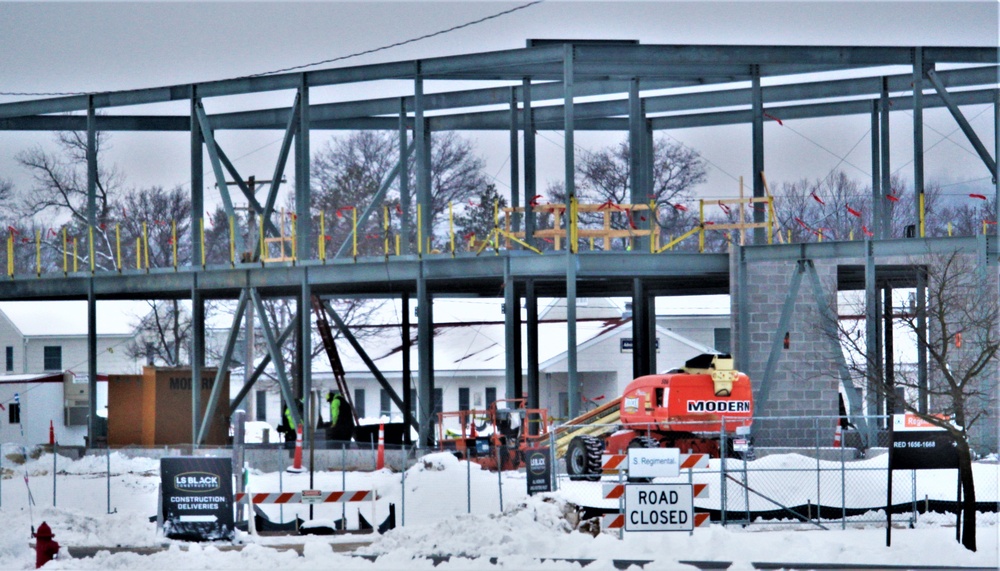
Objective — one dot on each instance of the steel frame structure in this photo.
(644, 88)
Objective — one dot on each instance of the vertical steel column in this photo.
(640, 329)
(531, 332)
(573, 383)
(91, 164)
(248, 338)
(922, 399)
(303, 222)
(886, 225)
(92, 429)
(757, 132)
(197, 182)
(742, 360)
(197, 357)
(872, 361)
(422, 159)
(305, 350)
(890, 376)
(407, 384)
(510, 346)
(918, 137)
(651, 349)
(636, 156)
(515, 166)
(404, 186)
(877, 199)
(425, 363)
(529, 164)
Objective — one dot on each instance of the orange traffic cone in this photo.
(837, 436)
(473, 433)
(380, 458)
(297, 461)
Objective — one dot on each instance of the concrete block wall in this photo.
(805, 382)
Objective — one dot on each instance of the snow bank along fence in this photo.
(822, 485)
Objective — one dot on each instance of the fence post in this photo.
(108, 458)
(343, 479)
(500, 478)
(402, 500)
(843, 491)
(281, 478)
(54, 470)
(554, 461)
(468, 482)
(723, 445)
(819, 498)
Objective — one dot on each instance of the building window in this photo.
(438, 401)
(564, 405)
(491, 396)
(260, 403)
(723, 340)
(384, 403)
(463, 398)
(10, 358)
(359, 402)
(14, 413)
(52, 358)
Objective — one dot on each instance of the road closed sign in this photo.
(658, 507)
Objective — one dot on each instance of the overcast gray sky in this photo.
(70, 47)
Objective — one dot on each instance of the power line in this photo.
(321, 62)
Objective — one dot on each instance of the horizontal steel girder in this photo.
(601, 273)
(514, 65)
(604, 115)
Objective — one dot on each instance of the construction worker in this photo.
(341, 418)
(288, 426)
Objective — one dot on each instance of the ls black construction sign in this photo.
(197, 498)
(538, 469)
(923, 450)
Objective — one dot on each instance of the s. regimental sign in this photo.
(197, 498)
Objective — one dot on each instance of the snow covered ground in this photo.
(436, 523)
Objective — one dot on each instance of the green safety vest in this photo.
(290, 418)
(334, 411)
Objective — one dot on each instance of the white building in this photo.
(45, 364)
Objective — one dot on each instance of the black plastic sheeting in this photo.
(825, 512)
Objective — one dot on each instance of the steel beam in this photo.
(91, 166)
(876, 155)
(572, 380)
(922, 386)
(404, 181)
(227, 356)
(529, 161)
(963, 123)
(918, 138)
(93, 432)
(303, 220)
(305, 350)
(197, 178)
(197, 358)
(372, 367)
(515, 175)
(531, 338)
(757, 141)
(885, 222)
(377, 199)
(213, 156)
(640, 330)
(425, 365)
(829, 327)
(422, 143)
(274, 350)
(264, 362)
(510, 306)
(407, 408)
(777, 340)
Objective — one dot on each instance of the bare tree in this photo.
(962, 343)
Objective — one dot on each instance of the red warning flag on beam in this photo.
(979, 196)
(534, 200)
(679, 207)
(866, 231)
(854, 212)
(818, 199)
(773, 118)
(892, 197)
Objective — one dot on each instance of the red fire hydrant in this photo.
(45, 549)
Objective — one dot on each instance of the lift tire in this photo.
(643, 442)
(583, 458)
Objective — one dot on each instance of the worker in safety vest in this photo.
(341, 417)
(288, 426)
